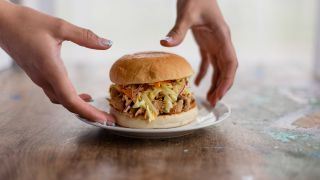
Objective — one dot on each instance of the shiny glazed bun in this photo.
(149, 67)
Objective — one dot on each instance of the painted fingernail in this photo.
(105, 42)
(108, 123)
(168, 39)
(196, 82)
(213, 104)
(208, 97)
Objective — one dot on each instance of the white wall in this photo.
(5, 60)
(262, 30)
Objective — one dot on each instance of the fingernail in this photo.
(208, 97)
(168, 39)
(111, 124)
(108, 123)
(211, 102)
(105, 42)
(196, 82)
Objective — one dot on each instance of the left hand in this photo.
(213, 37)
(34, 41)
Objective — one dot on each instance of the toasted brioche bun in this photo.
(149, 67)
(161, 122)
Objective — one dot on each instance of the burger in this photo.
(151, 90)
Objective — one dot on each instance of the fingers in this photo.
(177, 33)
(203, 66)
(83, 37)
(214, 81)
(222, 88)
(85, 97)
(78, 106)
(51, 95)
(224, 81)
(67, 96)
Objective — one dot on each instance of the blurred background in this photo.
(275, 100)
(270, 37)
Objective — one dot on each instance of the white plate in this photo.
(207, 116)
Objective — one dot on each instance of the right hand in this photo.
(213, 37)
(34, 41)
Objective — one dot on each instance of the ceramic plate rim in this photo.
(169, 130)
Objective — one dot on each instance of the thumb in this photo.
(85, 37)
(177, 34)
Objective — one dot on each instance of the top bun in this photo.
(149, 67)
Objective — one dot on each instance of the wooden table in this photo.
(39, 140)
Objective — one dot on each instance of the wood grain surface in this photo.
(39, 140)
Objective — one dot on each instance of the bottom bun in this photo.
(161, 122)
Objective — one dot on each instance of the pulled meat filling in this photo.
(151, 100)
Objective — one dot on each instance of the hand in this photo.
(214, 40)
(34, 41)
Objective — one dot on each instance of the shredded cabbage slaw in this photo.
(143, 99)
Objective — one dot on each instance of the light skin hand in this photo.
(34, 41)
(213, 37)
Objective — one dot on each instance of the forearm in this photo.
(212, 15)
